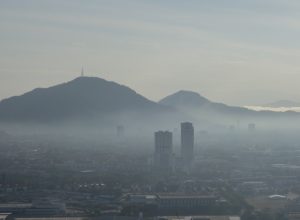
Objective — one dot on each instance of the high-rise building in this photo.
(187, 143)
(120, 131)
(163, 150)
(251, 127)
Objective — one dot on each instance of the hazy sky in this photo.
(232, 51)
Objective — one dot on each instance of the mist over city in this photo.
(149, 110)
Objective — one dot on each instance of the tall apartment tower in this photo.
(120, 131)
(251, 127)
(163, 150)
(187, 143)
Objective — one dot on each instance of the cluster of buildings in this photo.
(164, 157)
(41, 207)
(173, 204)
(198, 218)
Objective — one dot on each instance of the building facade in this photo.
(163, 150)
(187, 144)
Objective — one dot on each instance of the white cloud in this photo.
(278, 109)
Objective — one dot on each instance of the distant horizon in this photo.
(255, 107)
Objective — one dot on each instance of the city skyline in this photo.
(149, 110)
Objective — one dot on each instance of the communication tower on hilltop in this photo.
(82, 72)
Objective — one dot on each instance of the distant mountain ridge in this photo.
(203, 109)
(81, 97)
(94, 99)
(282, 103)
(187, 99)
(184, 98)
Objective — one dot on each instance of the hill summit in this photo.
(184, 98)
(81, 97)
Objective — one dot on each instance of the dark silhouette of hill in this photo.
(188, 99)
(184, 98)
(94, 100)
(83, 97)
(192, 101)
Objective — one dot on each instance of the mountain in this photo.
(201, 108)
(95, 103)
(83, 97)
(185, 100)
(282, 103)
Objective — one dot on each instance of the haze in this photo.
(236, 52)
(149, 110)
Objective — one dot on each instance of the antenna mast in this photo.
(82, 72)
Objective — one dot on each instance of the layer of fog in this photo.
(211, 129)
(274, 109)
